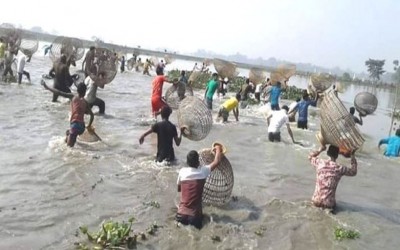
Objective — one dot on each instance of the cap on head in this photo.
(192, 159)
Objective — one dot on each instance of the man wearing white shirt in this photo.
(275, 121)
(91, 97)
(21, 60)
(191, 182)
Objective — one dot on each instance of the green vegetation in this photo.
(114, 235)
(342, 233)
(292, 93)
(375, 68)
(152, 204)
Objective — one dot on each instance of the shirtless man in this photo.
(62, 78)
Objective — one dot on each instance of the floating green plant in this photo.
(342, 233)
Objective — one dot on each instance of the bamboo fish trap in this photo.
(257, 75)
(337, 125)
(176, 93)
(71, 47)
(219, 184)
(104, 61)
(282, 73)
(320, 82)
(365, 103)
(194, 115)
(225, 68)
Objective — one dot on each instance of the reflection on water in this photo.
(48, 190)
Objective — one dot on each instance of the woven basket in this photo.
(104, 61)
(337, 125)
(365, 103)
(172, 94)
(130, 64)
(168, 59)
(71, 47)
(29, 46)
(225, 68)
(257, 76)
(196, 117)
(219, 184)
(194, 76)
(11, 35)
(282, 73)
(320, 82)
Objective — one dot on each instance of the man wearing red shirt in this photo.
(157, 103)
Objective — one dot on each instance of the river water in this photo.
(48, 190)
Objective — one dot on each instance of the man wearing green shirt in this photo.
(212, 86)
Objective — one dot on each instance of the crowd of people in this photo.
(191, 178)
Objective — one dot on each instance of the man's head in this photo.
(183, 73)
(247, 81)
(352, 110)
(278, 84)
(285, 107)
(333, 152)
(398, 132)
(192, 159)
(298, 99)
(91, 48)
(215, 76)
(305, 96)
(238, 97)
(81, 89)
(159, 71)
(165, 112)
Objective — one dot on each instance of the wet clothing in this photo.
(302, 108)
(274, 136)
(166, 131)
(192, 182)
(278, 119)
(212, 86)
(274, 97)
(20, 68)
(158, 83)
(122, 68)
(230, 104)
(302, 124)
(2, 49)
(78, 109)
(77, 128)
(182, 87)
(328, 177)
(393, 146)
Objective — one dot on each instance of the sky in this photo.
(328, 33)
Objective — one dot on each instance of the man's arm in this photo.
(383, 141)
(56, 91)
(89, 111)
(179, 139)
(269, 119)
(290, 132)
(236, 113)
(141, 139)
(217, 159)
(353, 170)
(360, 120)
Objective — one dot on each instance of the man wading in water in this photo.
(166, 132)
(328, 176)
(191, 182)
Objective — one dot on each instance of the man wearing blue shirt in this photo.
(302, 108)
(393, 144)
(275, 94)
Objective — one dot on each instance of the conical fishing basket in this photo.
(104, 62)
(194, 76)
(365, 103)
(321, 82)
(29, 45)
(196, 117)
(337, 125)
(71, 47)
(282, 73)
(257, 76)
(168, 59)
(225, 68)
(173, 93)
(153, 60)
(11, 35)
(219, 184)
(130, 64)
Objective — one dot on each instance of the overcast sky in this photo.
(327, 33)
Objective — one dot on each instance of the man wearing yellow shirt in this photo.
(227, 106)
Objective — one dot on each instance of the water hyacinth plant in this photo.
(342, 233)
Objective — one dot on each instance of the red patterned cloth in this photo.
(328, 177)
